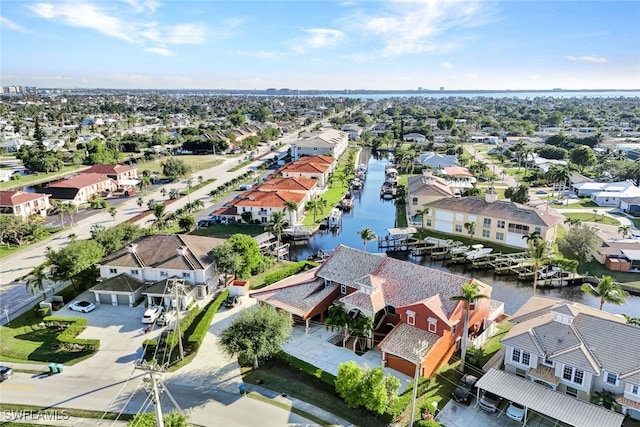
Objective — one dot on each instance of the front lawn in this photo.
(228, 230)
(492, 345)
(196, 163)
(590, 217)
(26, 180)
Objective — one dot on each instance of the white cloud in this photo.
(592, 59)
(10, 25)
(186, 34)
(411, 27)
(318, 38)
(159, 51)
(145, 5)
(448, 65)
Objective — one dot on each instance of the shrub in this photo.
(44, 312)
(202, 326)
(71, 328)
(185, 323)
(287, 271)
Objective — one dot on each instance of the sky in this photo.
(301, 44)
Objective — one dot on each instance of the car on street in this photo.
(515, 411)
(82, 306)
(5, 372)
(205, 223)
(464, 389)
(556, 202)
(166, 317)
(151, 314)
(488, 401)
(541, 192)
(232, 301)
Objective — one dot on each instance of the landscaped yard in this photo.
(227, 230)
(590, 217)
(26, 180)
(196, 163)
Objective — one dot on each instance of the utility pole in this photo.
(419, 352)
(153, 387)
(176, 287)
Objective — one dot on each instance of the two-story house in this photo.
(422, 190)
(23, 204)
(81, 188)
(436, 161)
(576, 350)
(261, 204)
(353, 130)
(329, 142)
(318, 167)
(125, 176)
(498, 221)
(408, 303)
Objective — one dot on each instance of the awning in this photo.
(401, 232)
(553, 404)
(632, 254)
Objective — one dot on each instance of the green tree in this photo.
(348, 383)
(113, 238)
(539, 252)
(607, 290)
(186, 223)
(171, 419)
(580, 242)
(519, 194)
(257, 333)
(145, 183)
(582, 156)
(369, 388)
(471, 228)
(634, 321)
(68, 262)
(470, 295)
(366, 234)
(625, 230)
(140, 202)
(314, 206)
(276, 227)
(174, 168)
(227, 261)
(291, 206)
(113, 211)
(248, 251)
(604, 398)
(37, 278)
(422, 213)
(374, 392)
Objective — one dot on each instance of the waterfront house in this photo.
(23, 204)
(81, 188)
(315, 167)
(576, 350)
(436, 161)
(353, 130)
(407, 303)
(125, 176)
(414, 137)
(261, 204)
(422, 190)
(329, 142)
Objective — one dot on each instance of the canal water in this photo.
(370, 211)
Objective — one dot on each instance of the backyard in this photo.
(196, 163)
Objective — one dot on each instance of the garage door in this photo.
(123, 299)
(105, 299)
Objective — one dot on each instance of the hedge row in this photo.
(309, 369)
(185, 323)
(202, 326)
(287, 271)
(72, 327)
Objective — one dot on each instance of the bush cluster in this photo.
(202, 326)
(185, 323)
(287, 271)
(71, 328)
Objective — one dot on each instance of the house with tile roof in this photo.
(261, 204)
(318, 167)
(576, 350)
(407, 303)
(329, 142)
(122, 289)
(81, 188)
(424, 189)
(151, 259)
(497, 221)
(125, 176)
(23, 204)
(436, 161)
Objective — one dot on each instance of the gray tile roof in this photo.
(404, 339)
(346, 265)
(501, 209)
(120, 283)
(163, 287)
(420, 186)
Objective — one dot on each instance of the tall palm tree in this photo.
(36, 279)
(291, 206)
(366, 234)
(538, 251)
(140, 202)
(532, 237)
(625, 230)
(145, 183)
(68, 208)
(471, 228)
(276, 226)
(189, 183)
(607, 290)
(470, 294)
(422, 213)
(634, 321)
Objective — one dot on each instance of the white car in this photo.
(166, 317)
(515, 411)
(151, 314)
(82, 306)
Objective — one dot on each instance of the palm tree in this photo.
(470, 294)
(366, 234)
(538, 251)
(291, 206)
(112, 210)
(140, 202)
(604, 398)
(634, 321)
(200, 179)
(186, 223)
(189, 183)
(145, 182)
(532, 237)
(276, 226)
(625, 230)
(68, 208)
(573, 221)
(36, 279)
(163, 191)
(471, 228)
(607, 290)
(421, 213)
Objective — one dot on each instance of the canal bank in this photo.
(369, 210)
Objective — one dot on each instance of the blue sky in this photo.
(302, 44)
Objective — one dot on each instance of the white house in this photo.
(607, 193)
(353, 130)
(436, 160)
(329, 142)
(415, 137)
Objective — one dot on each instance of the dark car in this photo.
(5, 372)
(464, 389)
(232, 301)
(204, 223)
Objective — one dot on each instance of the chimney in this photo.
(491, 195)
(182, 250)
(132, 248)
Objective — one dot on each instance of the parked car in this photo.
(151, 314)
(204, 223)
(488, 401)
(515, 411)
(464, 389)
(166, 317)
(82, 306)
(541, 192)
(5, 372)
(556, 202)
(232, 301)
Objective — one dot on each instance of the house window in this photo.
(518, 228)
(433, 325)
(135, 272)
(454, 329)
(547, 361)
(572, 374)
(612, 378)
(164, 274)
(500, 224)
(343, 289)
(428, 223)
(186, 275)
(538, 230)
(414, 201)
(411, 317)
(520, 356)
(635, 390)
(486, 223)
(572, 391)
(499, 236)
(486, 233)
(458, 228)
(113, 271)
(521, 373)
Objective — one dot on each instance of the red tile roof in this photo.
(270, 199)
(305, 168)
(81, 181)
(15, 198)
(289, 184)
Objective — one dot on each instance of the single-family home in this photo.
(125, 176)
(353, 130)
(329, 142)
(414, 137)
(607, 193)
(407, 302)
(122, 289)
(575, 350)
(436, 161)
(498, 221)
(259, 205)
(314, 167)
(164, 293)
(298, 184)
(379, 129)
(81, 188)
(151, 259)
(23, 204)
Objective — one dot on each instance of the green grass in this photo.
(467, 241)
(5, 251)
(594, 268)
(196, 163)
(40, 178)
(241, 165)
(590, 217)
(198, 186)
(227, 230)
(25, 340)
(257, 281)
(288, 407)
(492, 345)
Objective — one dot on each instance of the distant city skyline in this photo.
(321, 45)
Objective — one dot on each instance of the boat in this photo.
(477, 251)
(346, 204)
(298, 232)
(456, 250)
(548, 272)
(335, 218)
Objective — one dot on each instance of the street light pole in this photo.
(418, 352)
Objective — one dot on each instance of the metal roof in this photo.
(553, 404)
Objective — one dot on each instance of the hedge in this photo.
(287, 271)
(309, 369)
(185, 323)
(72, 327)
(202, 326)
